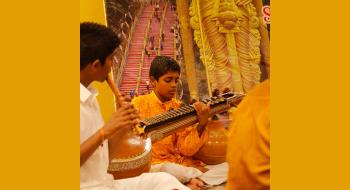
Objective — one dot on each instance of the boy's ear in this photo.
(96, 63)
(92, 66)
(153, 81)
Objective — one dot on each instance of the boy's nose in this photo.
(173, 85)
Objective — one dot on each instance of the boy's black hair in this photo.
(96, 42)
(163, 64)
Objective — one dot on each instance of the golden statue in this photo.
(227, 33)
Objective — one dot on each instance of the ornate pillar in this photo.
(187, 44)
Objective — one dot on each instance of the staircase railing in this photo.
(161, 27)
(145, 41)
(120, 70)
(174, 45)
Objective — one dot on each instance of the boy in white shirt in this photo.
(97, 47)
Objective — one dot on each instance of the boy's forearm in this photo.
(200, 128)
(88, 147)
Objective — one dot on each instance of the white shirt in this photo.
(93, 173)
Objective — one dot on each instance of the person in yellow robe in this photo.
(248, 146)
(181, 146)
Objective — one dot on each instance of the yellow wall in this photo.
(93, 10)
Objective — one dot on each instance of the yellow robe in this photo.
(178, 147)
(248, 153)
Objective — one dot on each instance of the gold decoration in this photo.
(229, 41)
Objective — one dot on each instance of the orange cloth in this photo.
(248, 151)
(178, 147)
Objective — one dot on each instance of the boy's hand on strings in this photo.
(203, 114)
